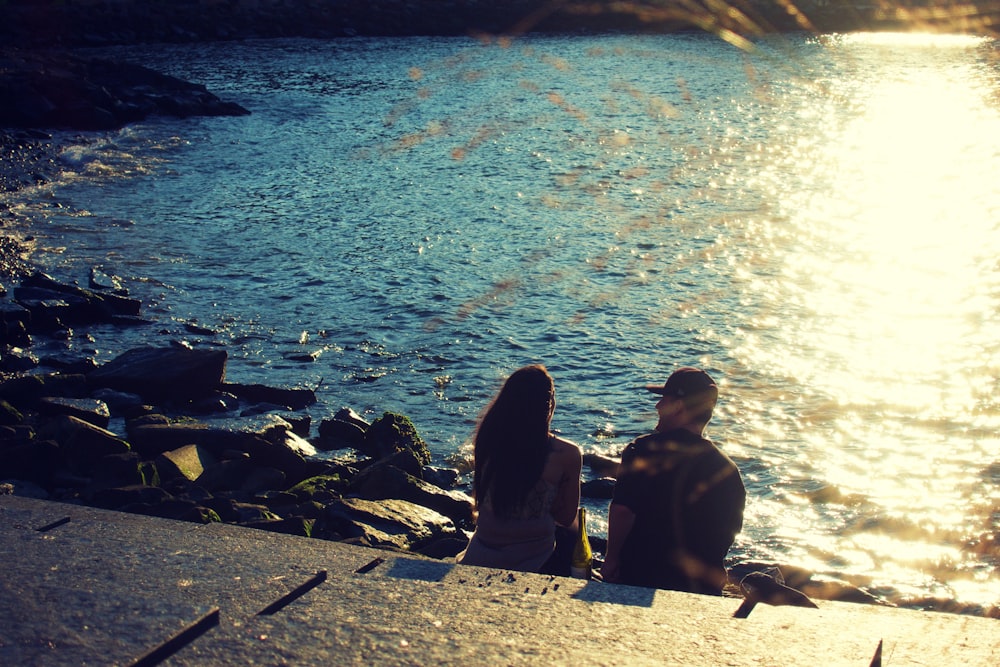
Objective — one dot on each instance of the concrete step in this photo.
(88, 586)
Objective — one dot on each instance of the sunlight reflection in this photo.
(894, 270)
(880, 296)
(913, 39)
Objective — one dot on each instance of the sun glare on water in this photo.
(889, 289)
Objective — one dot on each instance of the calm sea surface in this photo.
(817, 223)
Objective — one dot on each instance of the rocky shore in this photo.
(188, 445)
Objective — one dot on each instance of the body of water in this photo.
(816, 222)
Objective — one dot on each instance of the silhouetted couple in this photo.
(678, 501)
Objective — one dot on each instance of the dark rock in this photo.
(68, 362)
(602, 466)
(275, 429)
(762, 587)
(226, 475)
(130, 496)
(290, 399)
(338, 434)
(352, 417)
(317, 467)
(444, 548)
(120, 403)
(445, 478)
(263, 478)
(247, 512)
(11, 312)
(47, 314)
(9, 415)
(15, 333)
(404, 460)
(17, 360)
(84, 305)
(151, 439)
(154, 439)
(199, 330)
(305, 357)
(225, 508)
(24, 488)
(215, 402)
(90, 410)
(25, 391)
(392, 433)
(282, 502)
(100, 280)
(34, 461)
(167, 373)
(83, 443)
(121, 470)
(58, 90)
(603, 488)
(301, 424)
(180, 509)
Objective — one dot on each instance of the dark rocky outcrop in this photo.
(178, 372)
(61, 90)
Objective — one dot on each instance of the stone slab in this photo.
(135, 583)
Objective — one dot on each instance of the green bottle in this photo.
(581, 566)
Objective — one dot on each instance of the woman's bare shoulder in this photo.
(565, 447)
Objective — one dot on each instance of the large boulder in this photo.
(188, 462)
(90, 410)
(599, 489)
(392, 433)
(294, 398)
(122, 470)
(175, 373)
(34, 460)
(25, 391)
(83, 443)
(388, 523)
(382, 482)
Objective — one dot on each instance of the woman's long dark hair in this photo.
(512, 439)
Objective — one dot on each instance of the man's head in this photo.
(689, 397)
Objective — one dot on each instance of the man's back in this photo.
(688, 501)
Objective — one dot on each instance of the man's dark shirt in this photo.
(688, 499)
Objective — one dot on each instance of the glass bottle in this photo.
(581, 566)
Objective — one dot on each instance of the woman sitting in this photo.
(526, 480)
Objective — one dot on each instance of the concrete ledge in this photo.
(87, 586)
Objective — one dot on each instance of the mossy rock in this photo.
(320, 488)
(9, 415)
(393, 433)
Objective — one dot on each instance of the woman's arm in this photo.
(570, 465)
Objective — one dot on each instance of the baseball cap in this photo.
(683, 382)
